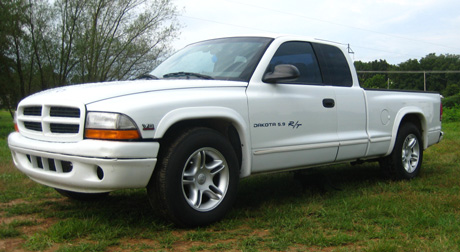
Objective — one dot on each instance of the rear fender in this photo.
(399, 119)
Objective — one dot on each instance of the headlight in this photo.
(110, 126)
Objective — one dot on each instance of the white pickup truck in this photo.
(213, 113)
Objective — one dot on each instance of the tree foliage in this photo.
(46, 44)
(12, 36)
(448, 84)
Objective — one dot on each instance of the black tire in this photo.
(82, 196)
(405, 160)
(191, 190)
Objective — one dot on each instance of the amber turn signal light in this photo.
(111, 134)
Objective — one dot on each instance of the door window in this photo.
(301, 55)
(334, 65)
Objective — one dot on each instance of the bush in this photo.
(451, 114)
(451, 101)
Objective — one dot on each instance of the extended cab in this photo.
(214, 112)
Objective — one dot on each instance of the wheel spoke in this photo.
(409, 168)
(190, 172)
(198, 199)
(216, 167)
(201, 159)
(214, 192)
(215, 163)
(193, 166)
(188, 180)
(192, 194)
(412, 142)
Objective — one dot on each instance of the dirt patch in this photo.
(26, 224)
(11, 244)
(13, 202)
(129, 245)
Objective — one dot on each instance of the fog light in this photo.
(100, 173)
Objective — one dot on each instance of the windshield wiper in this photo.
(147, 77)
(188, 75)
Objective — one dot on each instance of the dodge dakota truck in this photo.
(213, 113)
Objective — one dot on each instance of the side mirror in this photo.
(282, 72)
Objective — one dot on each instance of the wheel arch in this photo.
(224, 120)
(412, 115)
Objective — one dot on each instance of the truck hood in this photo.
(89, 93)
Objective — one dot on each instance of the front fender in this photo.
(214, 112)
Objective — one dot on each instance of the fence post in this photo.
(424, 81)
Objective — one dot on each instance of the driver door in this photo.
(293, 123)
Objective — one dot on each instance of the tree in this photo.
(42, 36)
(446, 83)
(440, 82)
(378, 81)
(48, 43)
(104, 40)
(371, 80)
(12, 39)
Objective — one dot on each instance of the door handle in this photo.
(328, 103)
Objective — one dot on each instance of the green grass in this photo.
(6, 126)
(355, 209)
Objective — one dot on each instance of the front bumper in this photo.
(88, 166)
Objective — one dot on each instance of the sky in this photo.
(391, 30)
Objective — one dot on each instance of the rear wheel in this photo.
(195, 182)
(406, 159)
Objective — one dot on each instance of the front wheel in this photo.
(406, 159)
(195, 182)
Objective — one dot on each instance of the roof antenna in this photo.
(350, 51)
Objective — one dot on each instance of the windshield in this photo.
(221, 59)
